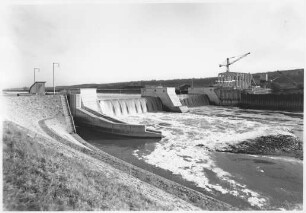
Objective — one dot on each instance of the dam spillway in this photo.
(119, 107)
(103, 112)
(87, 111)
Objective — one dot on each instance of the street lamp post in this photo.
(34, 72)
(53, 76)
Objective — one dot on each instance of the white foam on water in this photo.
(254, 201)
(189, 136)
(288, 159)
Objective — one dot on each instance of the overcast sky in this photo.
(102, 43)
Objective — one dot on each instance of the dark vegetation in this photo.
(281, 78)
(281, 145)
(287, 81)
(283, 81)
(37, 176)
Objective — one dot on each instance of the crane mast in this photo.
(228, 63)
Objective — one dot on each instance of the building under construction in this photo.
(235, 80)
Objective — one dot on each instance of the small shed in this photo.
(38, 88)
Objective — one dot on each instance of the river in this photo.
(187, 154)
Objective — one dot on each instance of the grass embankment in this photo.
(38, 175)
(279, 145)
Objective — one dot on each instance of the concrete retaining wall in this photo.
(67, 114)
(85, 117)
(100, 123)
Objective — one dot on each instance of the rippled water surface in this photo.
(186, 154)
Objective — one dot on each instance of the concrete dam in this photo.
(103, 114)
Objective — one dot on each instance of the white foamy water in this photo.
(189, 137)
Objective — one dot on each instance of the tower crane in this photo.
(235, 59)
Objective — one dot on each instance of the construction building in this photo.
(235, 80)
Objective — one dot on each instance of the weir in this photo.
(87, 111)
(103, 114)
(119, 107)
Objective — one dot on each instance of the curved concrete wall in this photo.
(68, 117)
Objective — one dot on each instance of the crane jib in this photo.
(228, 63)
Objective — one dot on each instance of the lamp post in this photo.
(53, 76)
(34, 72)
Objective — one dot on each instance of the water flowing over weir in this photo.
(118, 107)
(194, 100)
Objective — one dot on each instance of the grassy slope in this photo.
(37, 175)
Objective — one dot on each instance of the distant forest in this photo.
(284, 79)
(277, 80)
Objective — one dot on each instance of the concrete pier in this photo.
(167, 95)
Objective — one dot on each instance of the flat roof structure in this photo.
(38, 88)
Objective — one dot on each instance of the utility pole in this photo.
(53, 76)
(34, 72)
